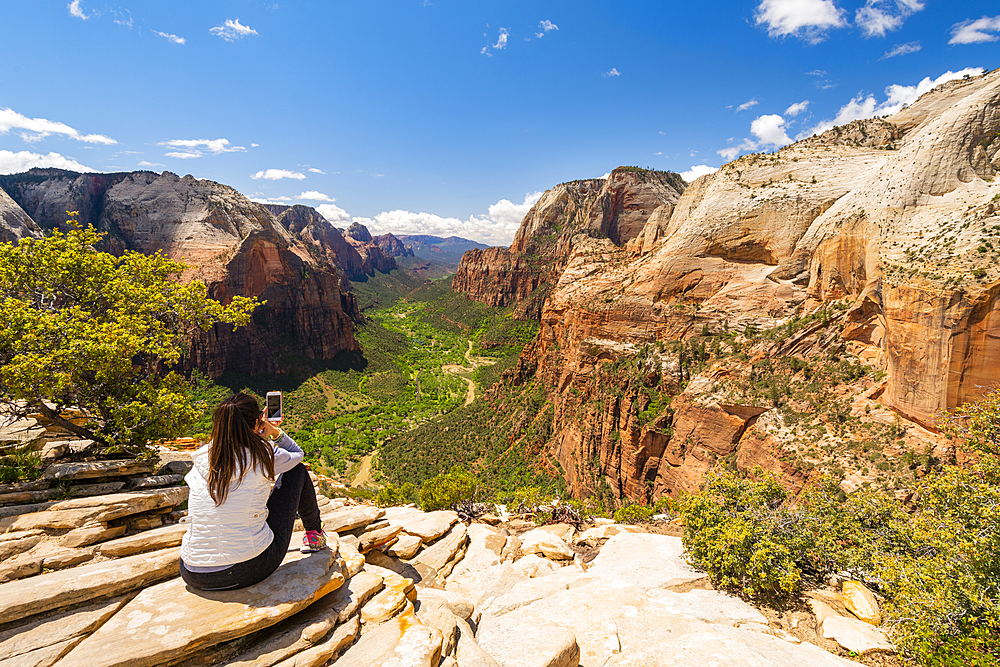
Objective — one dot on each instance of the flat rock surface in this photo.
(406, 546)
(166, 622)
(47, 632)
(356, 591)
(647, 561)
(342, 520)
(524, 641)
(546, 543)
(88, 469)
(429, 561)
(20, 599)
(401, 642)
(430, 526)
(855, 635)
(67, 514)
(149, 540)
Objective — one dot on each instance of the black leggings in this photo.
(296, 494)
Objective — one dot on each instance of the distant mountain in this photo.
(446, 251)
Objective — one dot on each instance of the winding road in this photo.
(470, 395)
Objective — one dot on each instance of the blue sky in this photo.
(451, 116)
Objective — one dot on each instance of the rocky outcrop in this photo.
(358, 232)
(392, 246)
(893, 219)
(235, 246)
(616, 208)
(15, 224)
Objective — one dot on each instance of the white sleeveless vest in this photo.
(232, 532)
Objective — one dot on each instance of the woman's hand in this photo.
(268, 429)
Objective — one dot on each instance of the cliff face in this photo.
(15, 224)
(894, 221)
(392, 246)
(616, 208)
(235, 246)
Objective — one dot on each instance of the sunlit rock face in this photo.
(895, 219)
(616, 208)
(235, 246)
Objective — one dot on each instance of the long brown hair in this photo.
(233, 441)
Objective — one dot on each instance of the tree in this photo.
(86, 338)
(447, 489)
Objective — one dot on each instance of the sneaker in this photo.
(313, 540)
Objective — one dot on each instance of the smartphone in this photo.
(273, 412)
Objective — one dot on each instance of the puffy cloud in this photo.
(797, 108)
(334, 214)
(313, 195)
(696, 171)
(748, 105)
(897, 97)
(74, 10)
(231, 30)
(277, 174)
(975, 32)
(173, 38)
(805, 19)
(878, 17)
(500, 45)
(613, 72)
(770, 130)
(901, 50)
(199, 147)
(13, 163)
(545, 26)
(36, 129)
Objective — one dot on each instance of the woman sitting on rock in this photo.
(239, 528)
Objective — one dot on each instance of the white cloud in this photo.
(199, 147)
(183, 155)
(232, 30)
(748, 105)
(658, 153)
(806, 19)
(277, 174)
(144, 163)
(975, 31)
(696, 171)
(334, 214)
(74, 10)
(897, 97)
(166, 35)
(313, 195)
(12, 163)
(901, 50)
(500, 45)
(797, 108)
(279, 200)
(730, 152)
(817, 72)
(316, 171)
(545, 26)
(36, 129)
(613, 72)
(254, 145)
(770, 130)
(878, 17)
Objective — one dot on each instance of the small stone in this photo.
(861, 602)
(406, 546)
(540, 541)
(382, 606)
(855, 635)
(54, 450)
(14, 487)
(490, 519)
(144, 522)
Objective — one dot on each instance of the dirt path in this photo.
(470, 395)
(364, 475)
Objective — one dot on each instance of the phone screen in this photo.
(274, 406)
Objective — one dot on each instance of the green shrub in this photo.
(633, 514)
(19, 465)
(443, 491)
(392, 495)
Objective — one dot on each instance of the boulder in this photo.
(550, 545)
(862, 602)
(855, 635)
(442, 618)
(376, 538)
(534, 565)
(463, 607)
(38, 641)
(151, 540)
(20, 599)
(166, 622)
(400, 642)
(406, 546)
(563, 531)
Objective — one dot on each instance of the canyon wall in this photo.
(891, 222)
(616, 208)
(235, 246)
